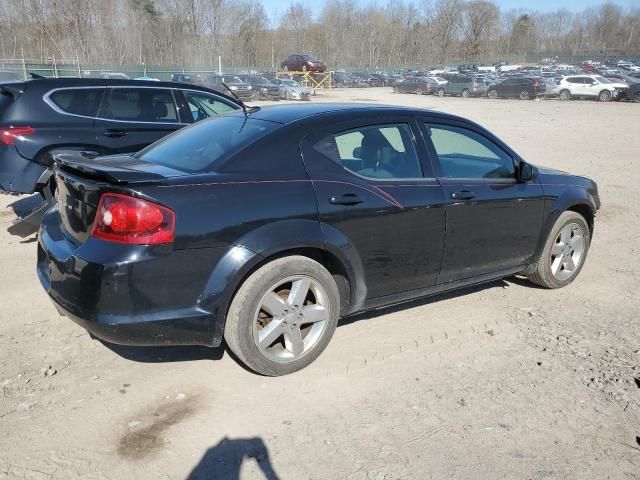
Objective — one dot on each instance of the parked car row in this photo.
(525, 87)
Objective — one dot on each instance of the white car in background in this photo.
(590, 86)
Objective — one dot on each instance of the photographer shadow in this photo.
(224, 460)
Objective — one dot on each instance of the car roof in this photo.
(108, 82)
(45, 84)
(293, 112)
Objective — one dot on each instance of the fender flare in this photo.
(270, 240)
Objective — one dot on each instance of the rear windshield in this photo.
(199, 147)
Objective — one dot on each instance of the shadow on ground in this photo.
(224, 460)
(190, 353)
(166, 354)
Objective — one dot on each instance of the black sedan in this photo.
(264, 227)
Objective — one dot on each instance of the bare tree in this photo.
(478, 20)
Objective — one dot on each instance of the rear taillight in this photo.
(9, 134)
(124, 219)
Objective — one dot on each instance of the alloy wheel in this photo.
(524, 95)
(441, 92)
(291, 318)
(492, 94)
(419, 91)
(465, 93)
(567, 251)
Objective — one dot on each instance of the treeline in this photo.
(344, 33)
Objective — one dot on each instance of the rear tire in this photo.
(565, 95)
(492, 94)
(441, 92)
(396, 90)
(552, 271)
(636, 97)
(604, 96)
(305, 322)
(419, 91)
(286, 68)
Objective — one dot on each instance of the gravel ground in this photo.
(501, 381)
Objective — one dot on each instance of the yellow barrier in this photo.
(314, 80)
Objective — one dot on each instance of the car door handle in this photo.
(114, 133)
(346, 199)
(463, 195)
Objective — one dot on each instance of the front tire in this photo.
(604, 96)
(524, 95)
(564, 253)
(493, 94)
(283, 316)
(466, 93)
(636, 97)
(565, 95)
(396, 90)
(419, 91)
(441, 92)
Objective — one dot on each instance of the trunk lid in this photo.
(114, 168)
(81, 181)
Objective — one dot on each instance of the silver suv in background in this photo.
(462, 85)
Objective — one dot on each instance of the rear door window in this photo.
(77, 101)
(379, 151)
(153, 105)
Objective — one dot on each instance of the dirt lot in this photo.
(503, 381)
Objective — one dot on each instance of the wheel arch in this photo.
(320, 242)
(581, 203)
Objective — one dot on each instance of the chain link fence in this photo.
(20, 68)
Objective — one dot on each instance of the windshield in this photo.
(291, 83)
(231, 79)
(309, 57)
(603, 80)
(199, 147)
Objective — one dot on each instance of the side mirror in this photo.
(357, 152)
(526, 172)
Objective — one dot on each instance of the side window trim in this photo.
(433, 154)
(47, 99)
(410, 122)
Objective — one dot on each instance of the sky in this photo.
(275, 8)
